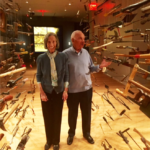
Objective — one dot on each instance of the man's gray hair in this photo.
(46, 39)
(74, 33)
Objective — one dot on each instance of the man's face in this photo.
(78, 41)
(51, 44)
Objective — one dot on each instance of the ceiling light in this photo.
(26, 1)
(69, 3)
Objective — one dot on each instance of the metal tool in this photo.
(24, 140)
(103, 144)
(107, 122)
(123, 112)
(109, 116)
(12, 83)
(105, 97)
(108, 144)
(14, 134)
(124, 138)
(102, 128)
(3, 147)
(141, 135)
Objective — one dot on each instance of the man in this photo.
(80, 85)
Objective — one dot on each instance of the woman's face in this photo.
(51, 44)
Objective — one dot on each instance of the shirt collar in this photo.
(76, 52)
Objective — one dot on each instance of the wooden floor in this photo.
(139, 120)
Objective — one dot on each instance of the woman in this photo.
(52, 77)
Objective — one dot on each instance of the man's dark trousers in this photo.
(85, 100)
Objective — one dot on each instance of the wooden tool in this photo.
(141, 135)
(131, 81)
(4, 100)
(9, 43)
(146, 56)
(145, 9)
(147, 62)
(103, 45)
(2, 20)
(12, 72)
(4, 120)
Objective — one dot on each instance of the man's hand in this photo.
(65, 95)
(104, 64)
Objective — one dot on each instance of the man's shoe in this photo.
(56, 147)
(89, 139)
(69, 140)
(47, 146)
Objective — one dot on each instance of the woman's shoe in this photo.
(47, 146)
(56, 147)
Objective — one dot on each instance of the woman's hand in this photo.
(44, 97)
(65, 96)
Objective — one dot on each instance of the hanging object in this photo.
(2, 21)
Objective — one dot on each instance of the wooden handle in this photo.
(135, 130)
(11, 112)
(103, 45)
(21, 53)
(12, 72)
(119, 46)
(120, 92)
(9, 43)
(8, 98)
(146, 56)
(140, 86)
(145, 9)
(144, 63)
